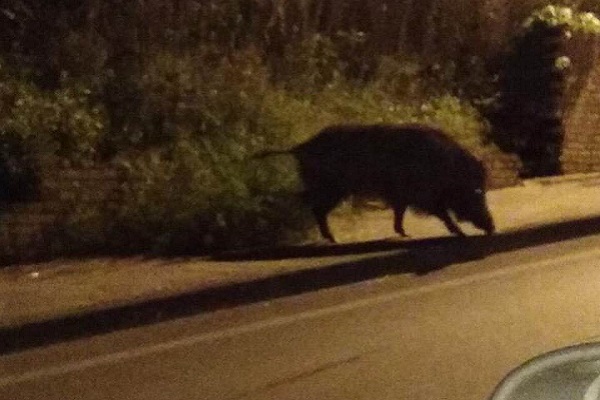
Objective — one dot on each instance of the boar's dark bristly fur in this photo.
(413, 166)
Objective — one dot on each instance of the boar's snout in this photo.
(483, 220)
(488, 225)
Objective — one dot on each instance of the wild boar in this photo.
(411, 165)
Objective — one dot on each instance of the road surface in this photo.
(451, 334)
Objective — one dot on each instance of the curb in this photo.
(587, 178)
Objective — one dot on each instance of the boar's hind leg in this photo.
(399, 211)
(450, 224)
(322, 202)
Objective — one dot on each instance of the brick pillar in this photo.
(581, 146)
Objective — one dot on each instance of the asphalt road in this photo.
(449, 334)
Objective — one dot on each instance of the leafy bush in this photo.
(62, 123)
(204, 94)
(459, 118)
(555, 15)
(311, 64)
(36, 126)
(193, 199)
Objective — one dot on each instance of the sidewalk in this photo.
(67, 290)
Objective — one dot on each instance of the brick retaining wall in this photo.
(27, 230)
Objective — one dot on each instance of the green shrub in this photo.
(62, 123)
(555, 15)
(195, 198)
(316, 62)
(458, 117)
(204, 94)
(38, 126)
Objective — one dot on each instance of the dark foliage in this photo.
(528, 120)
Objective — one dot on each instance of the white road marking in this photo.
(75, 366)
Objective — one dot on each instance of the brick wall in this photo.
(503, 169)
(581, 146)
(27, 231)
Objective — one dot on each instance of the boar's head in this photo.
(467, 197)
